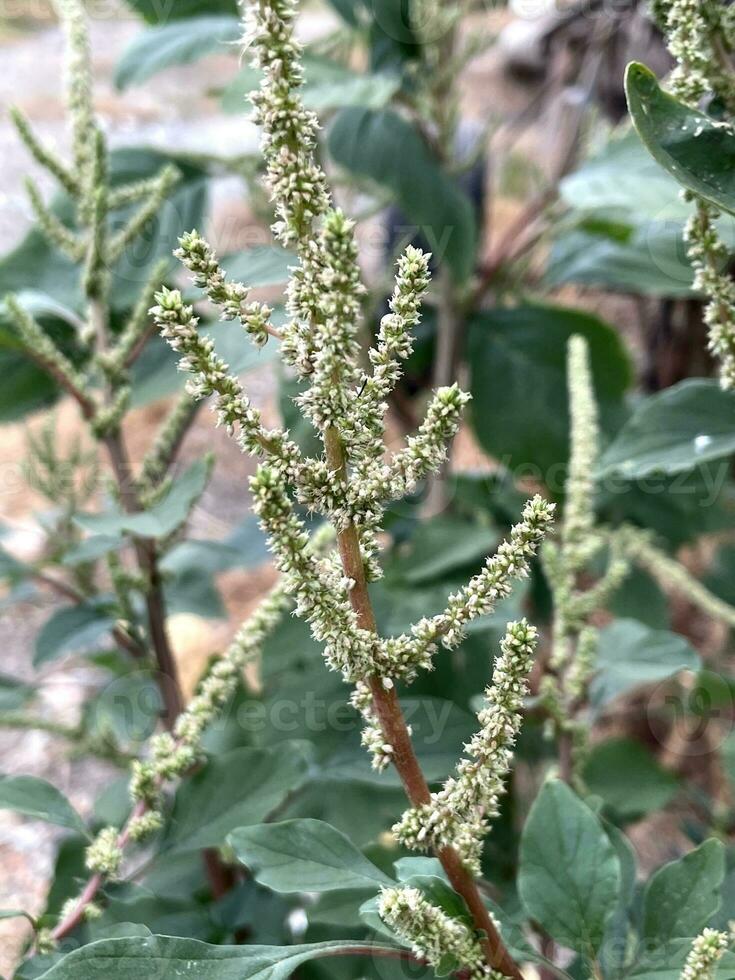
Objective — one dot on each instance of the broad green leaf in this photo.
(163, 11)
(26, 387)
(673, 431)
(681, 896)
(34, 265)
(14, 693)
(648, 260)
(339, 908)
(641, 598)
(131, 908)
(327, 86)
(262, 265)
(177, 43)
(441, 894)
(40, 306)
(193, 590)
(72, 630)
(36, 798)
(625, 225)
(666, 961)
(621, 182)
(519, 406)
(263, 914)
(365, 142)
(677, 507)
(248, 540)
(569, 874)
(441, 546)
(190, 568)
(628, 779)
(409, 867)
(695, 149)
(212, 556)
(125, 712)
(167, 958)
(631, 654)
(163, 517)
(304, 856)
(92, 548)
(238, 789)
(615, 945)
(348, 10)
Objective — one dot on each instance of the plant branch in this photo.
(395, 730)
(147, 557)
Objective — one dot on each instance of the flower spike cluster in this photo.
(697, 31)
(231, 297)
(445, 943)
(172, 755)
(354, 477)
(574, 640)
(706, 952)
(459, 813)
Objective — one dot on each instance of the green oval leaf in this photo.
(569, 875)
(384, 147)
(163, 517)
(627, 778)
(673, 431)
(681, 896)
(35, 797)
(167, 958)
(241, 788)
(631, 654)
(692, 147)
(304, 856)
(163, 11)
(71, 630)
(519, 403)
(178, 43)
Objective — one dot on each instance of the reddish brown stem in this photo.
(393, 724)
(146, 553)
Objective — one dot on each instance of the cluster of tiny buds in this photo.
(706, 952)
(296, 181)
(492, 584)
(211, 375)
(709, 255)
(394, 344)
(459, 813)
(231, 297)
(689, 42)
(320, 591)
(104, 855)
(373, 738)
(447, 944)
(91, 912)
(696, 30)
